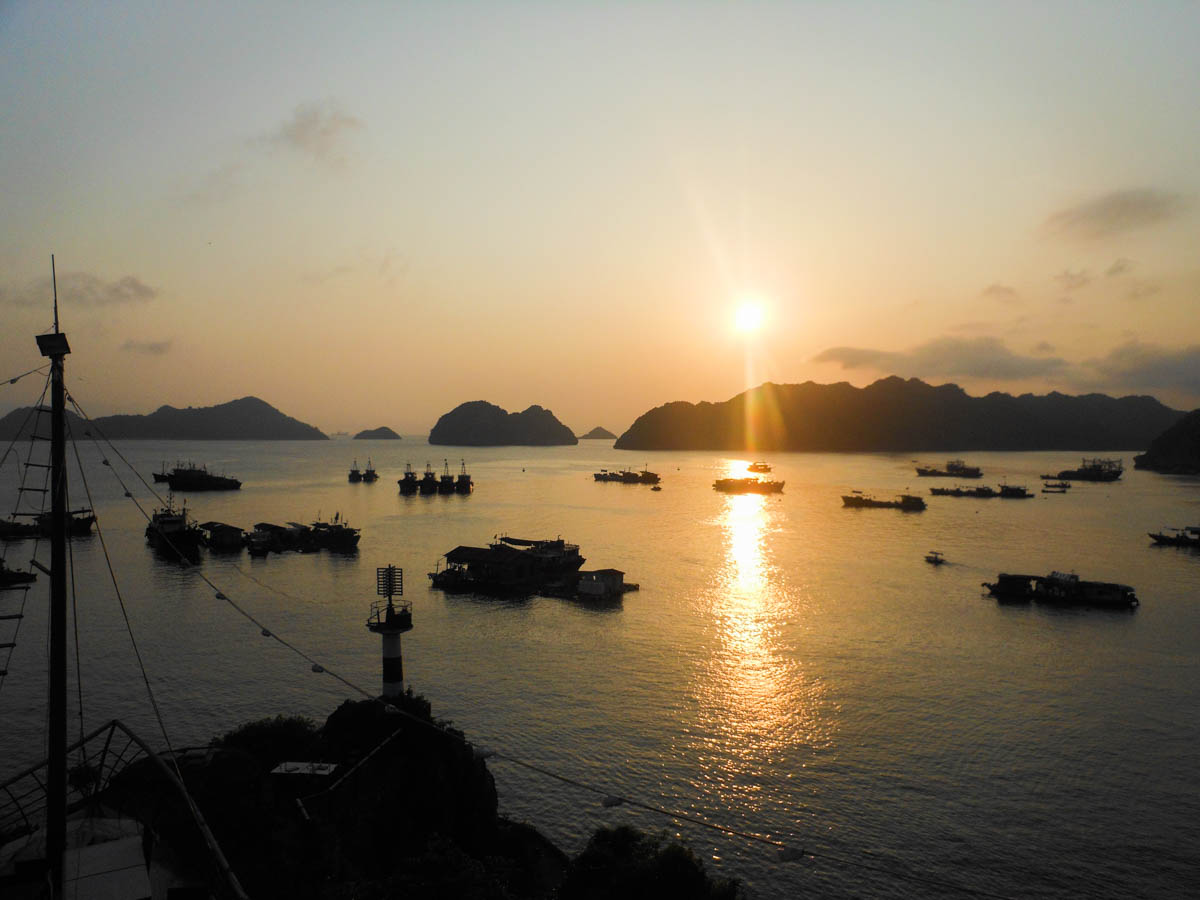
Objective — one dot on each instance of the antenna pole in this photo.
(55, 346)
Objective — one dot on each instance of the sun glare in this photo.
(748, 317)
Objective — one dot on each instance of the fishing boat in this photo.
(1062, 588)
(463, 484)
(10, 577)
(408, 483)
(369, 474)
(758, 467)
(1177, 537)
(1091, 470)
(79, 524)
(171, 532)
(905, 502)
(446, 482)
(191, 478)
(429, 481)
(935, 558)
(981, 492)
(747, 486)
(1014, 492)
(955, 468)
(355, 474)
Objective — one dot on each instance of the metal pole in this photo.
(56, 786)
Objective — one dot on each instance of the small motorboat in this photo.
(935, 558)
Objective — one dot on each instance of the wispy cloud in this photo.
(1073, 281)
(80, 289)
(317, 130)
(1143, 289)
(147, 348)
(327, 275)
(1116, 212)
(1043, 347)
(218, 184)
(983, 357)
(1150, 366)
(1001, 293)
(1119, 267)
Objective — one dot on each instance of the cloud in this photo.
(983, 357)
(317, 130)
(1116, 212)
(1143, 289)
(147, 348)
(1001, 293)
(218, 184)
(1043, 347)
(1119, 267)
(80, 289)
(1073, 281)
(1143, 366)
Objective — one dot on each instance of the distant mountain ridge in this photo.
(897, 415)
(598, 433)
(247, 419)
(482, 424)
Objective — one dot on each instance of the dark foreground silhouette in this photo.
(407, 808)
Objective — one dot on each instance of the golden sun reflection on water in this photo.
(758, 704)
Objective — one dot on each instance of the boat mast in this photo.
(55, 347)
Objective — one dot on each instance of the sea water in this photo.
(790, 669)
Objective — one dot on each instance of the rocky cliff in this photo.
(1176, 451)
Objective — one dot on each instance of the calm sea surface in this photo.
(790, 668)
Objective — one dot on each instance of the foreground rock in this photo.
(897, 415)
(483, 424)
(409, 810)
(597, 434)
(382, 433)
(1176, 451)
(247, 419)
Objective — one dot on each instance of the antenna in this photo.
(54, 281)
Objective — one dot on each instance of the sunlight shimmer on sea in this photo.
(755, 698)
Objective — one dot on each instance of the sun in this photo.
(748, 317)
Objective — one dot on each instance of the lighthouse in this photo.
(390, 618)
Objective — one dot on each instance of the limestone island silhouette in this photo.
(1176, 451)
(598, 434)
(899, 416)
(382, 433)
(247, 419)
(482, 424)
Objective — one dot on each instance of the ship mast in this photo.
(55, 347)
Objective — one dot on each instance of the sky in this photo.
(368, 213)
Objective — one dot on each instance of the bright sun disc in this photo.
(748, 317)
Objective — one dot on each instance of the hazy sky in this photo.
(367, 213)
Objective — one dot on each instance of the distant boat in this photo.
(982, 492)
(955, 468)
(1014, 492)
(935, 558)
(628, 476)
(355, 474)
(1061, 588)
(10, 577)
(905, 502)
(172, 533)
(429, 481)
(747, 486)
(1178, 537)
(409, 484)
(446, 482)
(463, 484)
(190, 478)
(369, 473)
(79, 524)
(1092, 470)
(758, 467)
